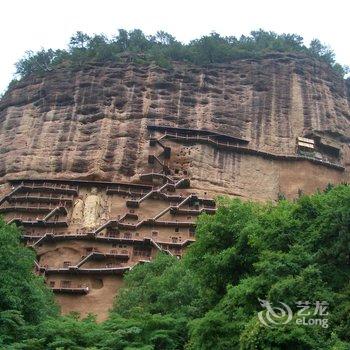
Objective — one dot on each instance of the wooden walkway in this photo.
(251, 151)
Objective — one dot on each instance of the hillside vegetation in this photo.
(163, 48)
(285, 252)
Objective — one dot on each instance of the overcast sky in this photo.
(33, 24)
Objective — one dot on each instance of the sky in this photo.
(35, 24)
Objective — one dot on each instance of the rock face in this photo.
(105, 166)
(92, 123)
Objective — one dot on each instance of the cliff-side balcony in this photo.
(71, 290)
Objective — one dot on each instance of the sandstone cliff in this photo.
(92, 123)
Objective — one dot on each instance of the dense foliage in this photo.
(289, 252)
(162, 48)
(24, 299)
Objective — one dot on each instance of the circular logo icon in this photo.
(274, 316)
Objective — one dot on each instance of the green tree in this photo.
(302, 251)
(321, 51)
(163, 48)
(79, 40)
(39, 62)
(23, 295)
(165, 286)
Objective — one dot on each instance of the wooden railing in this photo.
(246, 150)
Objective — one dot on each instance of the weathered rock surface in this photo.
(92, 123)
(99, 124)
